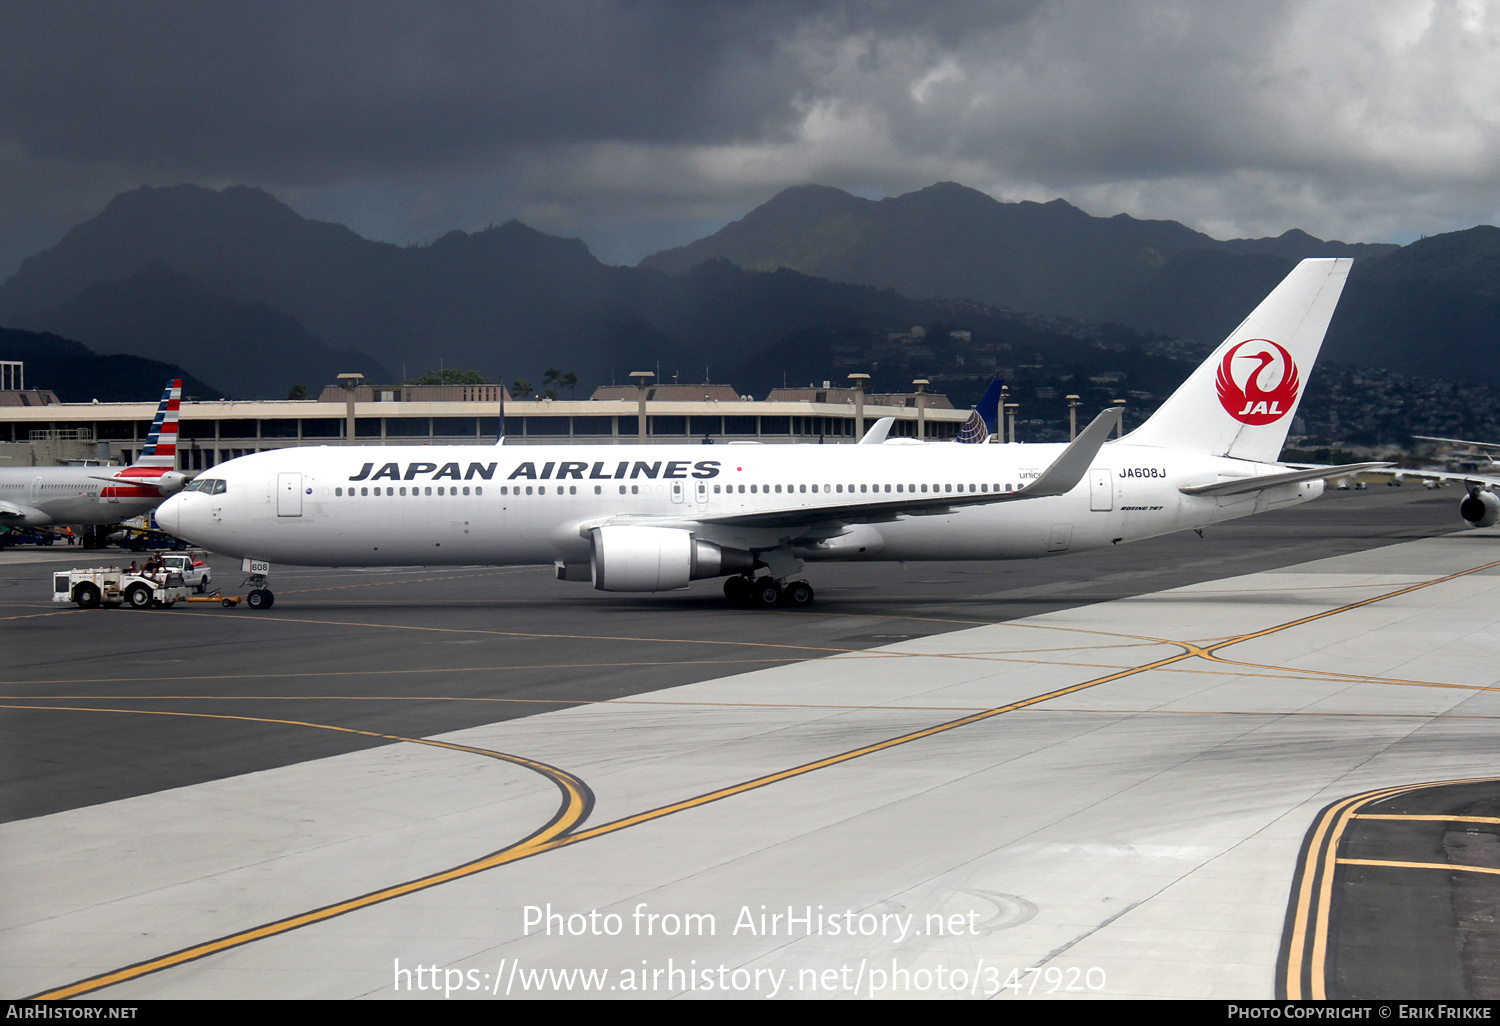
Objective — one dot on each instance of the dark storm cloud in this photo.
(285, 88)
(651, 120)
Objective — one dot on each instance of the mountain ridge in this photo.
(511, 300)
(950, 241)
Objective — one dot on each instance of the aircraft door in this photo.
(1101, 490)
(702, 492)
(289, 495)
(677, 491)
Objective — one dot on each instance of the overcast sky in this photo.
(638, 125)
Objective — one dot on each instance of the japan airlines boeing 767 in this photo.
(654, 517)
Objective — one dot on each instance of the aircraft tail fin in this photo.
(982, 422)
(974, 431)
(161, 443)
(1240, 402)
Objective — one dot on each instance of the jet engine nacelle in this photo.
(172, 482)
(628, 558)
(1480, 509)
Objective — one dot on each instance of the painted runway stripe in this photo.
(577, 803)
(1302, 968)
(564, 838)
(1450, 866)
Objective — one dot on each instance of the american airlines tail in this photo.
(1240, 402)
(155, 469)
(161, 443)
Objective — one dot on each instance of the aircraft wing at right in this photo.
(1491, 446)
(1480, 506)
(1470, 480)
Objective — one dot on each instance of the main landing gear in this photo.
(766, 592)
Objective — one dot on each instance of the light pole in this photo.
(859, 404)
(922, 384)
(642, 380)
(1073, 405)
(1120, 428)
(350, 382)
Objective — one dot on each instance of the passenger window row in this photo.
(863, 489)
(391, 490)
(839, 489)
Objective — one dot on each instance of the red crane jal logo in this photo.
(1267, 394)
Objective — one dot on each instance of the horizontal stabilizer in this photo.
(1242, 485)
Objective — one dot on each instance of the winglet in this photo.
(1069, 468)
(877, 432)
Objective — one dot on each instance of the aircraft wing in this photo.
(1058, 479)
(1469, 480)
(1492, 446)
(1241, 485)
(14, 512)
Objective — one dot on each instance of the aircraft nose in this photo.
(169, 515)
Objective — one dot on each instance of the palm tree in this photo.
(556, 379)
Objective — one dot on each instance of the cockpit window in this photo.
(210, 485)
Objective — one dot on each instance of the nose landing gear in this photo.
(260, 596)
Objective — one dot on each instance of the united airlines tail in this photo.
(1241, 400)
(984, 421)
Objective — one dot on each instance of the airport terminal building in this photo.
(36, 429)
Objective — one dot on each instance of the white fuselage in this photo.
(71, 495)
(499, 505)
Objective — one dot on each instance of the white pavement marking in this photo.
(1133, 839)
